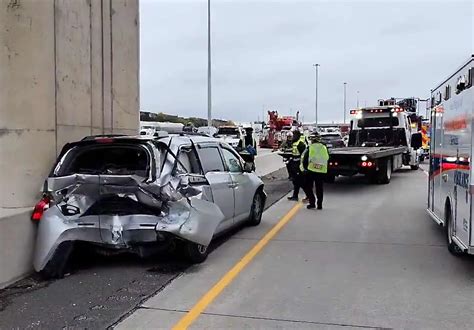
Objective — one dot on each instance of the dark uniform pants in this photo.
(296, 176)
(314, 179)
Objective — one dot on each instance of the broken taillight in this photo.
(40, 207)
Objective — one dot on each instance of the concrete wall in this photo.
(68, 68)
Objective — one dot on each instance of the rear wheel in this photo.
(415, 167)
(330, 178)
(372, 177)
(196, 253)
(453, 248)
(57, 266)
(257, 209)
(385, 172)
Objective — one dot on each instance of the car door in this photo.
(219, 180)
(243, 188)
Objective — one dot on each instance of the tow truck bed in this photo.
(349, 161)
(370, 152)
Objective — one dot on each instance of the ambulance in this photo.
(451, 185)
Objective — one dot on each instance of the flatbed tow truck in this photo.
(381, 141)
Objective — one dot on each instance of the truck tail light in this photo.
(40, 207)
(367, 164)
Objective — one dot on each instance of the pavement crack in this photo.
(272, 319)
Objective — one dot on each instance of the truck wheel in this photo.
(385, 172)
(195, 253)
(372, 177)
(453, 248)
(330, 178)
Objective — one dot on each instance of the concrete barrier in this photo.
(68, 68)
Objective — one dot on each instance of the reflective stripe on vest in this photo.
(294, 147)
(301, 161)
(318, 158)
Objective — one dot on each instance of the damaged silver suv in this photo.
(139, 194)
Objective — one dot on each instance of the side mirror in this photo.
(416, 141)
(249, 167)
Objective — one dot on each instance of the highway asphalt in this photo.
(372, 258)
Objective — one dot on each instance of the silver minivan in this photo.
(143, 194)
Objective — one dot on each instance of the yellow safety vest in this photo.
(294, 149)
(318, 158)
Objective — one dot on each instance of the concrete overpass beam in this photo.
(68, 68)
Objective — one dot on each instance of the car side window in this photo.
(187, 162)
(232, 162)
(211, 160)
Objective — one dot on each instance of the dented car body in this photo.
(139, 194)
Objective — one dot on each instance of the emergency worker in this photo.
(298, 146)
(249, 139)
(247, 147)
(314, 165)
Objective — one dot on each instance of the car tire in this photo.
(256, 210)
(453, 248)
(414, 167)
(385, 172)
(57, 265)
(196, 253)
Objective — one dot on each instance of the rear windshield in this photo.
(331, 137)
(377, 122)
(114, 159)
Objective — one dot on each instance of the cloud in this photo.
(263, 51)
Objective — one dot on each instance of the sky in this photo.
(263, 53)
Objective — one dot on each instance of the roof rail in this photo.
(93, 137)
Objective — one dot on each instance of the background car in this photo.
(207, 130)
(231, 135)
(332, 140)
(142, 195)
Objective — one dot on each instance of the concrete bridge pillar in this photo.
(68, 68)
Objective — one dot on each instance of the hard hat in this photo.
(315, 137)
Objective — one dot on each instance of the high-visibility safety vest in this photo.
(294, 149)
(318, 158)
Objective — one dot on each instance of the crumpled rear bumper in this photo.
(194, 220)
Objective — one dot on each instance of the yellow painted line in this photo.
(216, 290)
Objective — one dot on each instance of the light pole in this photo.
(357, 99)
(316, 96)
(345, 109)
(209, 101)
